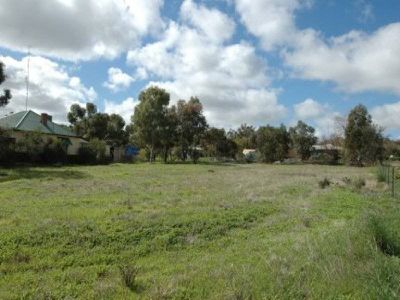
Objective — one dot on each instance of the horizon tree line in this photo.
(181, 131)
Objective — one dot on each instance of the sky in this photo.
(249, 61)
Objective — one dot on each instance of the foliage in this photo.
(216, 144)
(245, 137)
(32, 144)
(128, 274)
(272, 143)
(149, 119)
(6, 96)
(87, 155)
(324, 183)
(363, 139)
(7, 151)
(191, 125)
(325, 158)
(90, 124)
(303, 138)
(359, 183)
(381, 174)
(53, 151)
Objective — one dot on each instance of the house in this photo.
(19, 124)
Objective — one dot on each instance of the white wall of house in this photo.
(72, 149)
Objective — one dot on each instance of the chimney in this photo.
(44, 118)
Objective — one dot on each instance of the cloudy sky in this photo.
(249, 61)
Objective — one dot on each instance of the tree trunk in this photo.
(151, 153)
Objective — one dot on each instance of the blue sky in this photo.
(249, 61)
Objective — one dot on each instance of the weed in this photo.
(381, 174)
(324, 183)
(359, 183)
(128, 274)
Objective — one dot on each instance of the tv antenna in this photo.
(27, 79)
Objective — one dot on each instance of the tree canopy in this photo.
(363, 139)
(303, 138)
(5, 97)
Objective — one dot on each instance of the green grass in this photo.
(197, 231)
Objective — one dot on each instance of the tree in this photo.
(273, 143)
(303, 138)
(363, 139)
(245, 137)
(116, 134)
(149, 118)
(168, 135)
(90, 124)
(216, 144)
(6, 96)
(191, 126)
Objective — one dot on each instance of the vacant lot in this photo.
(197, 231)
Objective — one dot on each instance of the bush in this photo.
(381, 174)
(92, 152)
(324, 183)
(359, 183)
(54, 152)
(324, 158)
(86, 155)
(7, 153)
(128, 274)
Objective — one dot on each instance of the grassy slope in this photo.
(204, 231)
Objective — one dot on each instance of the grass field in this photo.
(197, 232)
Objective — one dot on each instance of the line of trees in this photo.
(181, 131)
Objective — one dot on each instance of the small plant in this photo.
(381, 175)
(128, 274)
(324, 183)
(347, 180)
(359, 183)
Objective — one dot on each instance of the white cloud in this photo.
(272, 21)
(366, 10)
(213, 23)
(73, 30)
(125, 109)
(118, 80)
(356, 62)
(52, 89)
(319, 115)
(387, 115)
(309, 109)
(230, 79)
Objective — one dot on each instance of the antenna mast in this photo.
(27, 80)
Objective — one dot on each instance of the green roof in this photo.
(31, 121)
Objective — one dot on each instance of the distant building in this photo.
(28, 121)
(249, 152)
(326, 148)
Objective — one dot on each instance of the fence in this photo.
(388, 173)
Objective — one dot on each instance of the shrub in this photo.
(381, 174)
(359, 183)
(324, 183)
(331, 158)
(385, 234)
(7, 153)
(53, 152)
(32, 145)
(86, 155)
(128, 274)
